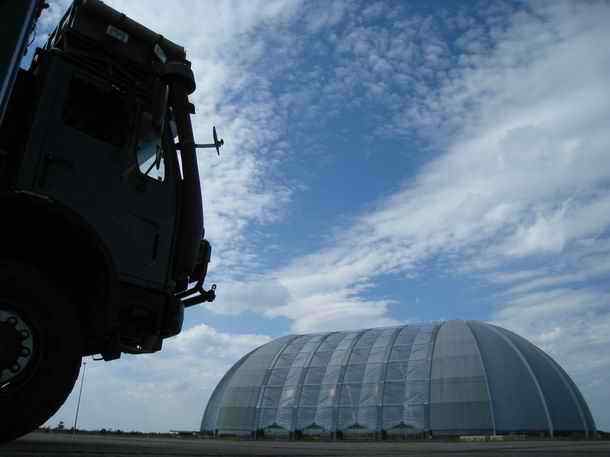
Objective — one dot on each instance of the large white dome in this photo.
(454, 377)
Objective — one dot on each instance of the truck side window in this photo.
(101, 114)
(149, 150)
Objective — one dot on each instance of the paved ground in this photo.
(43, 444)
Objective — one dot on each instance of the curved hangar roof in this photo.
(456, 377)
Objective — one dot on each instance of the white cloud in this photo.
(158, 392)
(527, 165)
(520, 120)
(258, 295)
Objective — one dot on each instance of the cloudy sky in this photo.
(385, 162)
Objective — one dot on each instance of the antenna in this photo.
(80, 393)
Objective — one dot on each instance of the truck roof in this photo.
(117, 33)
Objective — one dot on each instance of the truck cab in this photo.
(101, 199)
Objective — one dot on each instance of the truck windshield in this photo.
(149, 150)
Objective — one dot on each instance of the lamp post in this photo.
(80, 393)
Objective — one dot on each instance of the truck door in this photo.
(93, 153)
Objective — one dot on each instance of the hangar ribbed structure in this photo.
(448, 378)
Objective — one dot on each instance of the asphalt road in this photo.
(43, 444)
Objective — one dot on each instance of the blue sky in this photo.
(386, 162)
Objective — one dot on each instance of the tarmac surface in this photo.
(45, 444)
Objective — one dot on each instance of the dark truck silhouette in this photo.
(101, 221)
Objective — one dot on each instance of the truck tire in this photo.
(40, 343)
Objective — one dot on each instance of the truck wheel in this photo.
(40, 349)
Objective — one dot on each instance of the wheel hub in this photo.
(16, 346)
